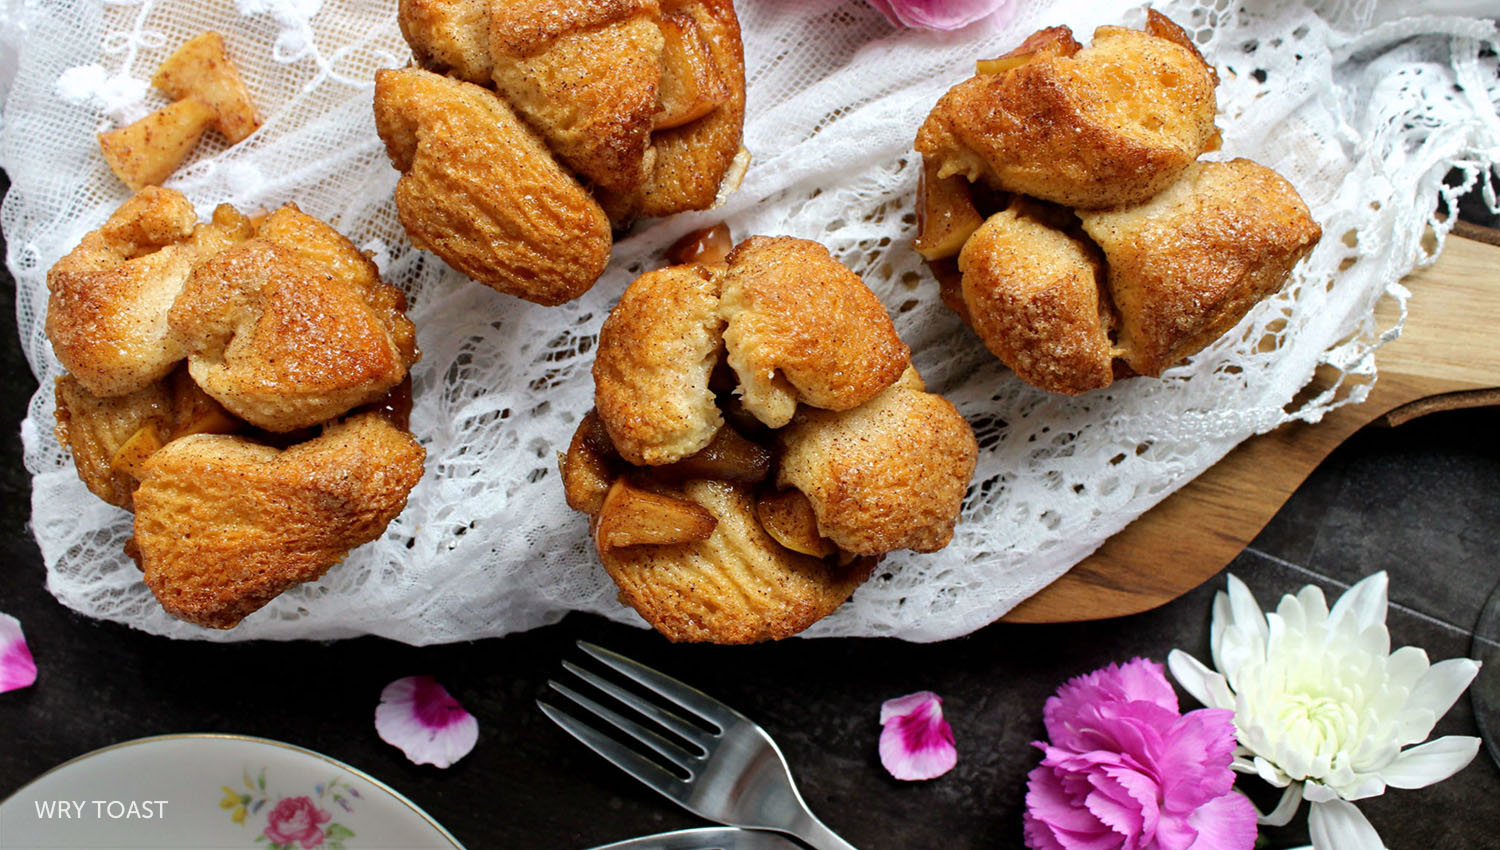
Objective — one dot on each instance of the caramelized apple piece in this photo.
(587, 468)
(709, 246)
(633, 516)
(788, 517)
(147, 152)
(132, 454)
(951, 287)
(730, 457)
(691, 83)
(1052, 41)
(195, 412)
(946, 216)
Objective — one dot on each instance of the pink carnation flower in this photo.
(1125, 769)
(936, 14)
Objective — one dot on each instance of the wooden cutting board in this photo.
(1447, 357)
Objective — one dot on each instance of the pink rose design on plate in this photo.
(297, 819)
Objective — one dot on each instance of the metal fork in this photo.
(705, 838)
(737, 776)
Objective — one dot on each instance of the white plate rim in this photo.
(252, 739)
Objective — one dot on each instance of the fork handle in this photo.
(812, 831)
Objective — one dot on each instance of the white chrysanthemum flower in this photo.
(1323, 708)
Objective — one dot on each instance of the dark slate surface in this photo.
(1421, 501)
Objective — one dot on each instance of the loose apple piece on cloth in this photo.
(190, 346)
(206, 90)
(674, 465)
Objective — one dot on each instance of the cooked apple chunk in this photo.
(789, 518)
(200, 70)
(691, 83)
(729, 457)
(634, 516)
(586, 468)
(946, 216)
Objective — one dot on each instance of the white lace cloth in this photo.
(1364, 107)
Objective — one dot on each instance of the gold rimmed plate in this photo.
(209, 791)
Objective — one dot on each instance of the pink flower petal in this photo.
(916, 742)
(17, 667)
(936, 14)
(419, 717)
(1224, 823)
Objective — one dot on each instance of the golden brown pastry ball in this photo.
(1110, 124)
(889, 474)
(293, 327)
(223, 525)
(107, 311)
(736, 586)
(1032, 294)
(656, 353)
(1187, 265)
(480, 190)
(803, 327)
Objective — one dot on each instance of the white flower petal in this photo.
(1286, 807)
(1317, 792)
(1246, 611)
(1362, 787)
(1406, 666)
(1314, 606)
(1440, 686)
(1338, 825)
(1205, 685)
(1272, 774)
(1432, 762)
(1362, 605)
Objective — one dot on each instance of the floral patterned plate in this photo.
(209, 792)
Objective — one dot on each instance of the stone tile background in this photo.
(1421, 501)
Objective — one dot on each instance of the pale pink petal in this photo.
(419, 717)
(936, 14)
(916, 742)
(1224, 823)
(17, 667)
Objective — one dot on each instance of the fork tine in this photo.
(699, 738)
(685, 696)
(664, 748)
(646, 771)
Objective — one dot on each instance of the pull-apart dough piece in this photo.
(293, 327)
(889, 474)
(109, 297)
(223, 525)
(656, 353)
(1187, 265)
(738, 585)
(1110, 124)
(480, 190)
(1031, 293)
(802, 327)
